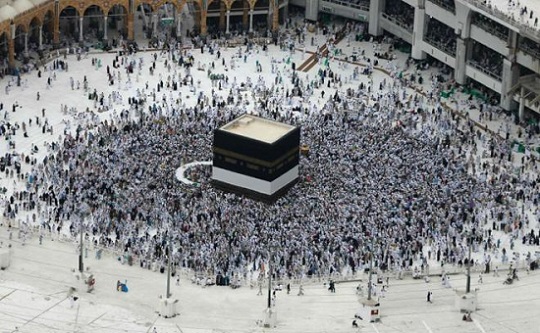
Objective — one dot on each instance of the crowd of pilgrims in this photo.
(389, 172)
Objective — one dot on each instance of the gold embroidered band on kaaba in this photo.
(289, 156)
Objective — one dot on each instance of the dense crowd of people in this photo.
(489, 62)
(447, 4)
(359, 4)
(391, 176)
(490, 26)
(401, 12)
(441, 36)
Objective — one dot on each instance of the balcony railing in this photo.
(505, 17)
(400, 21)
(444, 5)
(530, 50)
(361, 6)
(487, 27)
(440, 45)
(484, 70)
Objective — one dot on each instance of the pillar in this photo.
(40, 37)
(245, 15)
(178, 23)
(26, 44)
(204, 28)
(251, 20)
(130, 29)
(510, 76)
(375, 9)
(143, 13)
(228, 21)
(81, 22)
(56, 23)
(221, 16)
(11, 50)
(521, 113)
(154, 24)
(275, 15)
(312, 10)
(461, 60)
(105, 27)
(55, 28)
(418, 34)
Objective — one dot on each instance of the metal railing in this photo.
(535, 52)
(479, 67)
(361, 6)
(533, 32)
(444, 5)
(440, 45)
(488, 28)
(399, 21)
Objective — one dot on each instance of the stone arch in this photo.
(238, 4)
(68, 23)
(260, 4)
(93, 21)
(118, 5)
(48, 22)
(93, 7)
(20, 40)
(4, 47)
(22, 28)
(146, 3)
(34, 29)
(69, 7)
(214, 4)
(118, 18)
(215, 19)
(36, 20)
(198, 5)
(158, 3)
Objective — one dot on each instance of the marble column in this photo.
(178, 24)
(461, 60)
(418, 34)
(251, 20)
(26, 44)
(522, 105)
(228, 21)
(40, 37)
(375, 9)
(81, 23)
(11, 51)
(510, 76)
(154, 24)
(105, 27)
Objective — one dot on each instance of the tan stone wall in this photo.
(38, 13)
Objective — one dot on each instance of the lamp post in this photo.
(81, 264)
(82, 212)
(468, 288)
(371, 250)
(269, 281)
(167, 218)
(169, 265)
(270, 315)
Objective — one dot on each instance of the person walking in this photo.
(429, 297)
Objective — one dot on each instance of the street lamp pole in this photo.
(468, 289)
(81, 264)
(169, 268)
(270, 281)
(370, 273)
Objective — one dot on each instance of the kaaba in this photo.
(256, 157)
